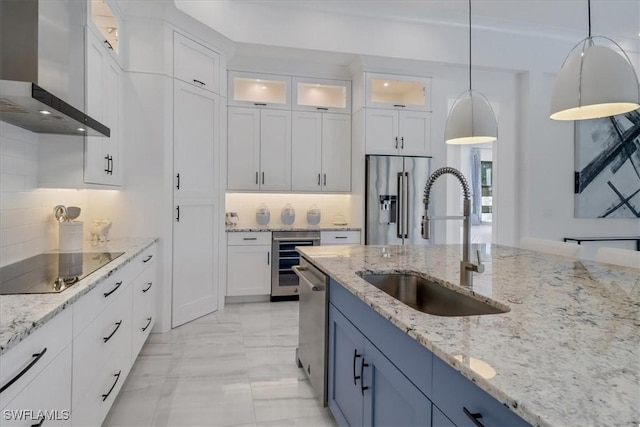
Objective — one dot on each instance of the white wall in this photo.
(27, 223)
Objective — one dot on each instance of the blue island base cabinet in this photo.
(379, 376)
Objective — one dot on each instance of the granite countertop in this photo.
(282, 227)
(20, 315)
(568, 352)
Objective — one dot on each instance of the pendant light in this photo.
(471, 120)
(595, 82)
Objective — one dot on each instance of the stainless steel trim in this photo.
(312, 333)
(299, 272)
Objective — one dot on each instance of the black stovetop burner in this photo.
(51, 272)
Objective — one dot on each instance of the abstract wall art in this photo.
(607, 167)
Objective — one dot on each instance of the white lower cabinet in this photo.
(347, 237)
(35, 376)
(249, 264)
(69, 371)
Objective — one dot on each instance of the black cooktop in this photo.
(51, 272)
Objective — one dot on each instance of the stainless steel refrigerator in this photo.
(393, 203)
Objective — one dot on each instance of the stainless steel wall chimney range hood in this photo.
(42, 53)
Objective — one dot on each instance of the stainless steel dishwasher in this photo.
(311, 353)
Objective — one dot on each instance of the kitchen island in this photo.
(567, 352)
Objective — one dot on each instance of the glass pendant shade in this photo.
(594, 82)
(471, 120)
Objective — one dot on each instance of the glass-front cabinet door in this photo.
(321, 95)
(259, 90)
(399, 92)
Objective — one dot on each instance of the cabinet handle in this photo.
(114, 331)
(109, 47)
(355, 356)
(362, 386)
(324, 179)
(106, 294)
(178, 213)
(36, 357)
(111, 166)
(42, 418)
(148, 287)
(178, 181)
(322, 108)
(199, 82)
(148, 323)
(260, 104)
(106, 170)
(340, 237)
(105, 396)
(318, 180)
(474, 417)
(268, 258)
(147, 259)
(256, 178)
(402, 142)
(396, 139)
(262, 178)
(399, 105)
(249, 238)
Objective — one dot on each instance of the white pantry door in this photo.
(195, 287)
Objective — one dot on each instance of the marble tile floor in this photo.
(235, 367)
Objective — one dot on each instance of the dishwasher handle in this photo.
(299, 272)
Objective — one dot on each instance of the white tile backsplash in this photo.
(27, 225)
(245, 205)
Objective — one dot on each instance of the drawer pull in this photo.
(148, 287)
(147, 259)
(340, 237)
(40, 423)
(474, 417)
(105, 396)
(249, 238)
(148, 323)
(118, 284)
(36, 357)
(114, 331)
(201, 83)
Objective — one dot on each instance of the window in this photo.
(486, 180)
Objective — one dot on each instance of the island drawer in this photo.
(453, 393)
(37, 350)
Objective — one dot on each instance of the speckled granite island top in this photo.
(568, 352)
(20, 315)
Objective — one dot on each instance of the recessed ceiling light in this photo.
(81, 130)
(45, 112)
(264, 88)
(385, 84)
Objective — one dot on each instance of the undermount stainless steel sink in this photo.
(428, 296)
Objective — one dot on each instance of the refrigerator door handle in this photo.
(405, 196)
(400, 216)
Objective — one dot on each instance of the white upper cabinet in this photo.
(398, 92)
(321, 152)
(259, 90)
(321, 95)
(195, 64)
(405, 133)
(259, 149)
(103, 161)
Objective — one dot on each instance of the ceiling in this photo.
(564, 18)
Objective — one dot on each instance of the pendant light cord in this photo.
(589, 12)
(470, 44)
